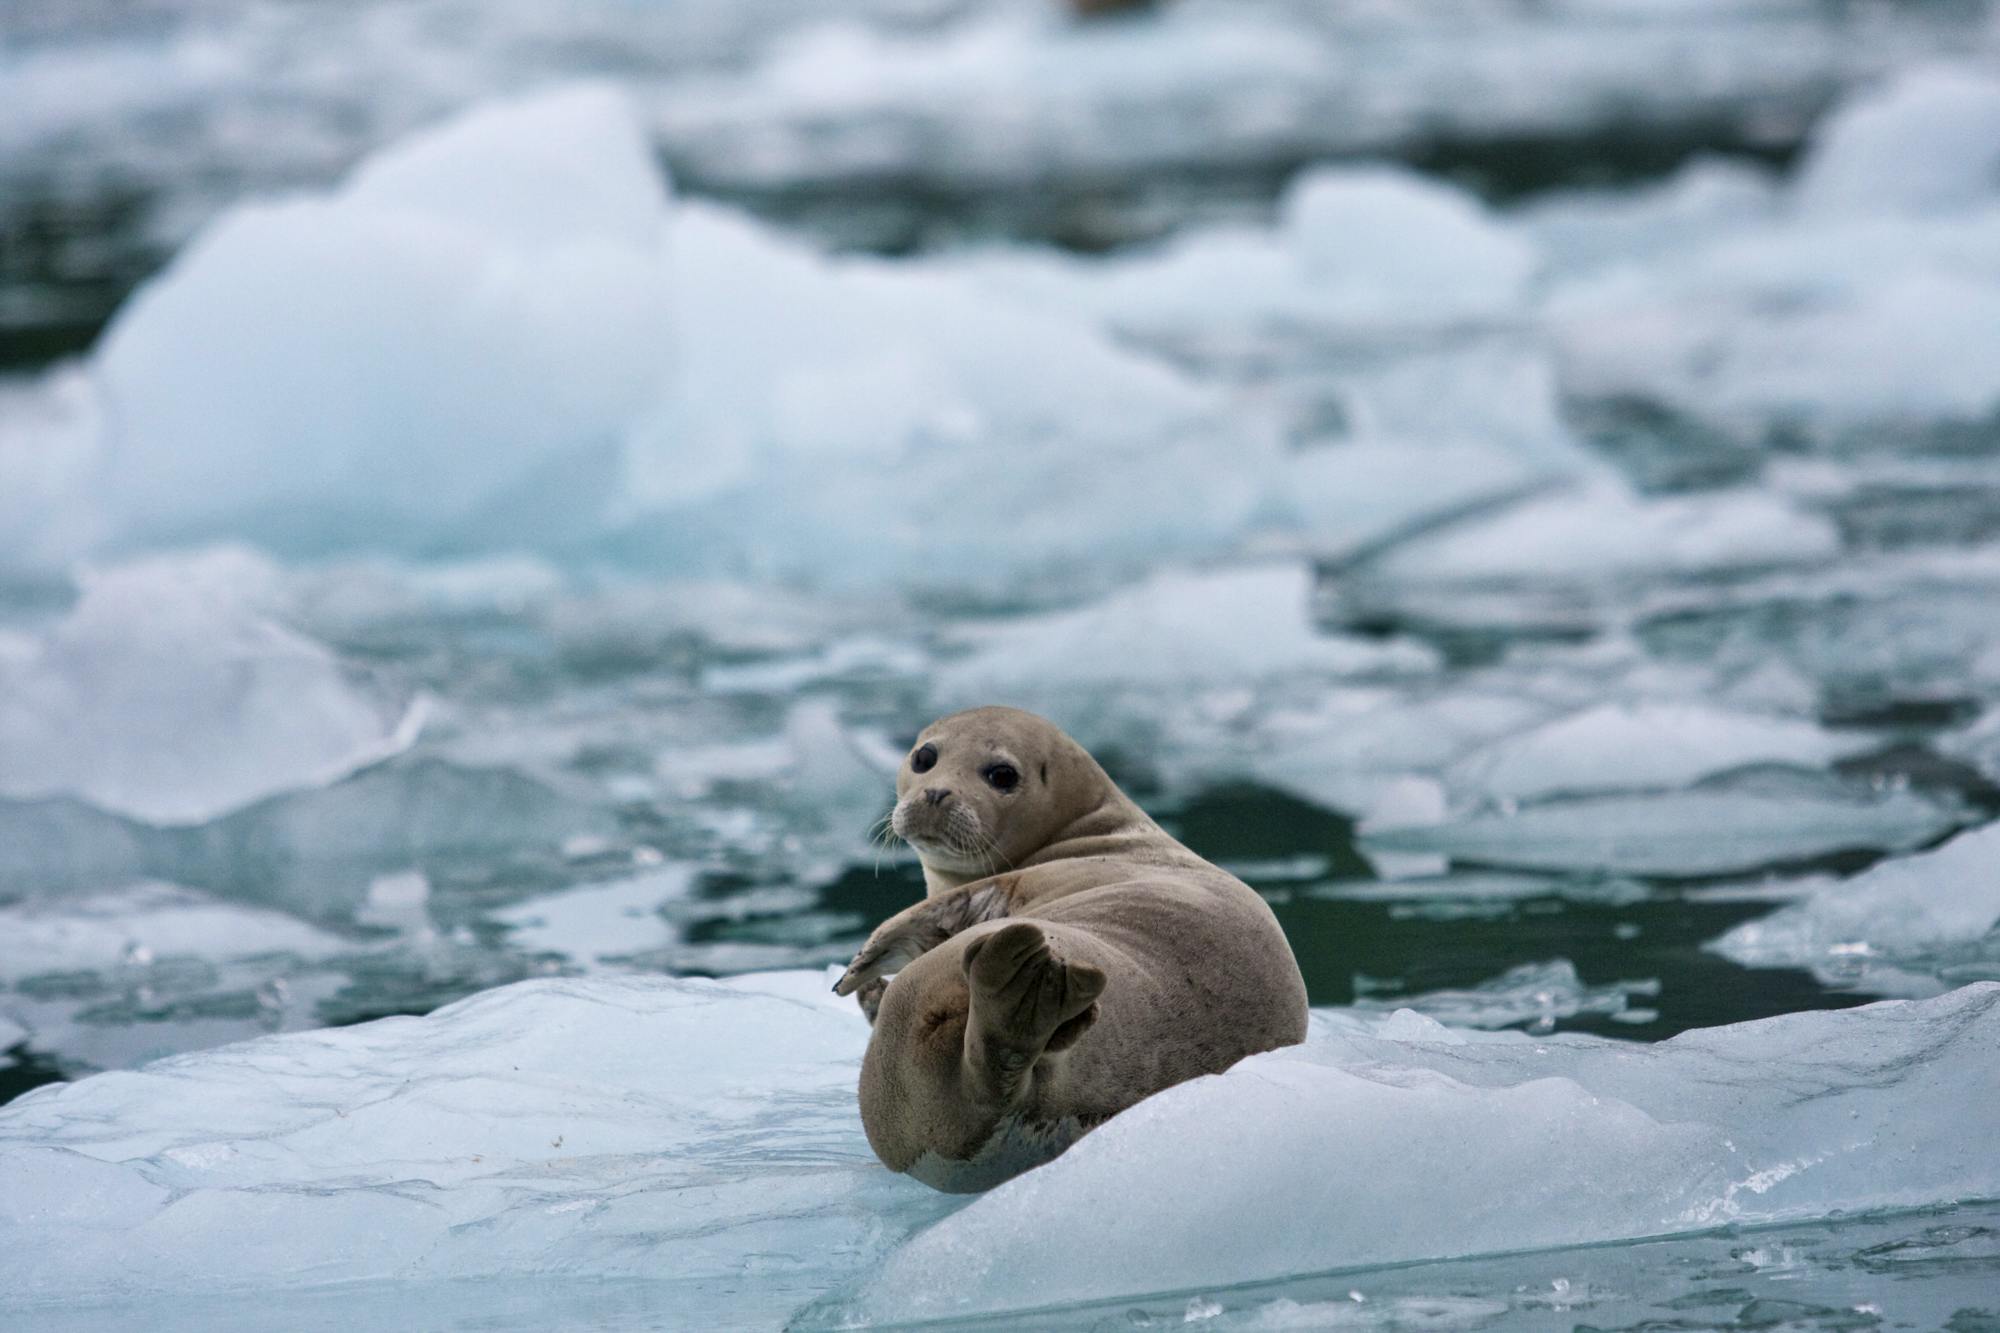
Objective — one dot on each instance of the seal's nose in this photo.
(936, 795)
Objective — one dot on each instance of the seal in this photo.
(1070, 958)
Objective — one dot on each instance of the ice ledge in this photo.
(704, 1135)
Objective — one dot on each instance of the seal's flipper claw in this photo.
(1027, 1001)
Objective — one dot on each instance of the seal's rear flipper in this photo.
(1026, 1002)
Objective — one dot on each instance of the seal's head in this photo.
(984, 790)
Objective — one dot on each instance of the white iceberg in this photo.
(1642, 744)
(1235, 627)
(500, 335)
(1370, 252)
(1536, 994)
(1926, 142)
(172, 694)
(477, 314)
(703, 1136)
(1932, 916)
(1737, 823)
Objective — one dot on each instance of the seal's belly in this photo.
(1016, 1145)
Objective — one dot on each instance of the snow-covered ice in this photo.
(172, 693)
(703, 1135)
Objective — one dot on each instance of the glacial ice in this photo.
(172, 694)
(1219, 628)
(703, 1136)
(1928, 142)
(475, 316)
(1917, 923)
(1537, 994)
(1738, 822)
(1369, 252)
(1630, 746)
(485, 341)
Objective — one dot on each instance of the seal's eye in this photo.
(924, 760)
(1003, 776)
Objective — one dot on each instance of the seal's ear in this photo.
(1066, 1036)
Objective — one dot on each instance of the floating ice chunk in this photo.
(1537, 994)
(1739, 824)
(599, 922)
(50, 434)
(1366, 250)
(11, 1035)
(856, 421)
(171, 694)
(476, 315)
(1225, 627)
(1629, 746)
(150, 921)
(1929, 140)
(1358, 1151)
(1917, 914)
(1350, 747)
(1603, 531)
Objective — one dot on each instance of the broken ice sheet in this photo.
(173, 693)
(1737, 823)
(689, 1132)
(1358, 1149)
(1538, 995)
(1915, 925)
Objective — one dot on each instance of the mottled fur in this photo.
(1071, 959)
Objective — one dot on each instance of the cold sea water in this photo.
(488, 494)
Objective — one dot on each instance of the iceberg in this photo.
(1737, 823)
(1917, 923)
(1929, 141)
(1536, 994)
(1649, 744)
(1215, 628)
(702, 1137)
(502, 335)
(172, 693)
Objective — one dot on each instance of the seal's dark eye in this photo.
(924, 760)
(1003, 776)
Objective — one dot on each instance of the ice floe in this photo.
(172, 694)
(1614, 746)
(679, 1130)
(483, 341)
(1538, 995)
(1365, 1149)
(1739, 822)
(1919, 923)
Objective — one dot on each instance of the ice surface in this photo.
(1537, 994)
(704, 1136)
(1614, 746)
(1364, 251)
(144, 923)
(477, 311)
(1227, 627)
(1737, 823)
(1933, 915)
(485, 341)
(170, 693)
(600, 922)
(1356, 1149)
(1928, 141)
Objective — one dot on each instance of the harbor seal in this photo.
(1069, 959)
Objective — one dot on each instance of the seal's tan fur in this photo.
(1070, 959)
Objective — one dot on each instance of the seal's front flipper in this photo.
(915, 931)
(1027, 1001)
